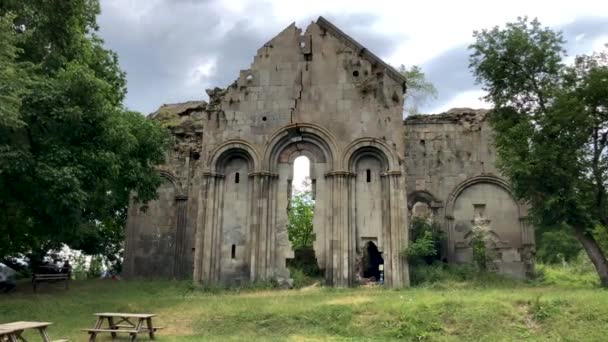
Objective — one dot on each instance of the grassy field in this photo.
(452, 311)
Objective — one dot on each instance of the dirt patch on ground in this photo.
(528, 319)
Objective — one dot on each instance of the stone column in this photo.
(131, 239)
(449, 228)
(340, 263)
(180, 260)
(262, 242)
(208, 247)
(398, 234)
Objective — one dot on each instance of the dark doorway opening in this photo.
(372, 259)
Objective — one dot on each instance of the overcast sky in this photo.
(173, 49)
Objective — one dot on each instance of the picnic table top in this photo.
(22, 325)
(119, 314)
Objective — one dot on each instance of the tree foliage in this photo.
(419, 90)
(300, 228)
(425, 245)
(70, 153)
(551, 125)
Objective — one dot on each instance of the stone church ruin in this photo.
(221, 215)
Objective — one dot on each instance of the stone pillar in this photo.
(340, 263)
(397, 274)
(180, 261)
(262, 242)
(208, 236)
(449, 229)
(528, 250)
(131, 239)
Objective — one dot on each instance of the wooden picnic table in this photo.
(130, 323)
(12, 331)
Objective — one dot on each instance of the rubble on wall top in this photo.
(178, 109)
(177, 114)
(468, 117)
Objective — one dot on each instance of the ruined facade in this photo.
(221, 215)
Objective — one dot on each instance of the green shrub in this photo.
(95, 267)
(425, 241)
(578, 272)
(302, 279)
(445, 275)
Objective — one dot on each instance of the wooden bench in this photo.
(38, 278)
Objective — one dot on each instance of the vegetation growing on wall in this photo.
(419, 90)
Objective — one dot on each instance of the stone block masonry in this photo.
(221, 215)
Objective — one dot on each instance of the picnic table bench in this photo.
(11, 332)
(129, 323)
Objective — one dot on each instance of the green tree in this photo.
(70, 154)
(556, 244)
(419, 90)
(300, 228)
(551, 125)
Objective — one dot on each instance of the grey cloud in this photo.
(357, 25)
(161, 49)
(450, 74)
(590, 28)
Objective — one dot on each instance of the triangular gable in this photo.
(362, 51)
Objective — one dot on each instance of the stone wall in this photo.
(221, 216)
(316, 93)
(451, 166)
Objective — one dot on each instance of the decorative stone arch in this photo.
(310, 137)
(526, 231)
(370, 147)
(424, 197)
(487, 179)
(234, 148)
(179, 191)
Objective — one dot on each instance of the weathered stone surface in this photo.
(450, 162)
(222, 214)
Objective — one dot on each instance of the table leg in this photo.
(97, 326)
(111, 324)
(137, 328)
(12, 338)
(150, 327)
(17, 335)
(44, 335)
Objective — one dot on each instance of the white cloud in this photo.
(599, 44)
(471, 98)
